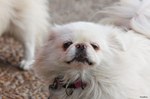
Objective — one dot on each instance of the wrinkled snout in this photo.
(81, 54)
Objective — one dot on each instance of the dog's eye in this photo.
(95, 46)
(67, 44)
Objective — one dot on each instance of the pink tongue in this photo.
(79, 84)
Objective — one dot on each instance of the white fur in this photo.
(27, 20)
(122, 64)
(133, 14)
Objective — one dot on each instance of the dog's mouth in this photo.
(83, 60)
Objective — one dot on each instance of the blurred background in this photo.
(18, 84)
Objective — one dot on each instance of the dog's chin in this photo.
(85, 61)
(80, 63)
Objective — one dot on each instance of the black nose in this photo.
(81, 47)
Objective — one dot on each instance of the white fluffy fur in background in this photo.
(26, 20)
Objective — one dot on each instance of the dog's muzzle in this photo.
(81, 55)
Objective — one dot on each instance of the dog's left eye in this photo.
(95, 46)
(67, 44)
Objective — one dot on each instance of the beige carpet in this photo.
(18, 84)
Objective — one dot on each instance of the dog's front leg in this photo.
(29, 51)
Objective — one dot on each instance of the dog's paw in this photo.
(26, 65)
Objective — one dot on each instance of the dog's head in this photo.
(78, 49)
(77, 45)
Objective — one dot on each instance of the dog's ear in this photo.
(53, 32)
(119, 42)
(53, 35)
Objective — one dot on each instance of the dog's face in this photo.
(78, 47)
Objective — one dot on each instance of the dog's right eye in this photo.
(67, 44)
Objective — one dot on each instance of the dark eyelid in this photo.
(95, 46)
(66, 44)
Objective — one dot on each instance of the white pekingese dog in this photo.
(26, 20)
(85, 60)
